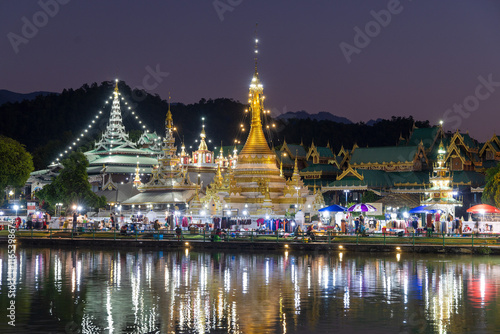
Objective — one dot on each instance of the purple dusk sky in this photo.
(417, 57)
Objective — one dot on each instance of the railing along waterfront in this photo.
(410, 239)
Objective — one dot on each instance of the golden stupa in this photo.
(255, 186)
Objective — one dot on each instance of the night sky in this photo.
(424, 58)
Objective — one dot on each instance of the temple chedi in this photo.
(255, 186)
(169, 183)
(440, 195)
(115, 158)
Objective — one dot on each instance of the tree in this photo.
(491, 193)
(71, 186)
(15, 165)
(370, 197)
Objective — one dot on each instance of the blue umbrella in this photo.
(422, 209)
(333, 208)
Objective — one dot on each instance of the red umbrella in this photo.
(483, 208)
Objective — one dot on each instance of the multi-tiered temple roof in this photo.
(115, 154)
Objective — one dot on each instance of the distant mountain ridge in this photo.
(320, 116)
(374, 121)
(9, 96)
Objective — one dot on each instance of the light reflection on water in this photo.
(145, 291)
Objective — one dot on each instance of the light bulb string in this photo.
(85, 132)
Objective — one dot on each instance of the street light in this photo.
(16, 207)
(346, 191)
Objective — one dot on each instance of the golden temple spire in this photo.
(256, 142)
(218, 176)
(116, 86)
(137, 179)
(203, 145)
(183, 148)
(169, 120)
(221, 153)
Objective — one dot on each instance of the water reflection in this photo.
(154, 291)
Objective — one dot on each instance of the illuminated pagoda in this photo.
(201, 166)
(115, 157)
(255, 187)
(441, 194)
(169, 182)
(225, 159)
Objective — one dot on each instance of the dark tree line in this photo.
(49, 124)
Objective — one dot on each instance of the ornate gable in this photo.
(350, 172)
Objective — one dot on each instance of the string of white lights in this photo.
(91, 125)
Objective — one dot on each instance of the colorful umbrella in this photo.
(422, 209)
(362, 208)
(333, 208)
(483, 208)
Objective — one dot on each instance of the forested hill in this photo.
(8, 96)
(49, 123)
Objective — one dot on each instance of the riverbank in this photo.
(335, 245)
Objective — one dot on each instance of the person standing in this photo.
(356, 225)
(75, 219)
(443, 224)
(429, 225)
(178, 231)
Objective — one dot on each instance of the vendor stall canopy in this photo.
(333, 208)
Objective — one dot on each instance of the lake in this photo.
(151, 291)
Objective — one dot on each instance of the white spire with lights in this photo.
(117, 113)
(115, 136)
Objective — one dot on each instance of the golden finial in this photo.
(256, 51)
(116, 86)
(169, 120)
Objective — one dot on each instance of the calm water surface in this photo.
(145, 291)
